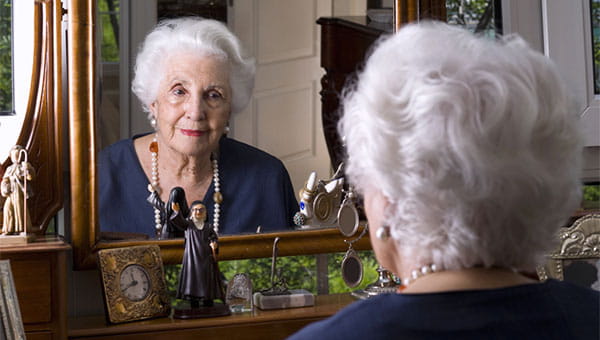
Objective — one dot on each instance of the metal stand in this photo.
(384, 284)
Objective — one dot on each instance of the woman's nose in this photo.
(196, 108)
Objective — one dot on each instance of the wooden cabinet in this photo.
(40, 277)
(345, 41)
(274, 324)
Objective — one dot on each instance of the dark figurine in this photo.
(199, 279)
(177, 195)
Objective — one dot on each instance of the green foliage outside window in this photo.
(591, 196)
(476, 15)
(6, 65)
(336, 283)
(298, 271)
(109, 15)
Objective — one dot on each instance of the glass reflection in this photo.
(187, 148)
(595, 12)
(479, 16)
(6, 60)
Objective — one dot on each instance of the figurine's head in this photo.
(198, 211)
(15, 152)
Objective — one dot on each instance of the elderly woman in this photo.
(467, 153)
(191, 75)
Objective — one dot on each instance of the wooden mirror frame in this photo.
(83, 89)
(41, 133)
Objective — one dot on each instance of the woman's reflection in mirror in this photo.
(191, 75)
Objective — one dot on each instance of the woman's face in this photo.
(193, 103)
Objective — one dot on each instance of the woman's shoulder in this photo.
(570, 293)
(118, 147)
(232, 149)
(121, 150)
(359, 320)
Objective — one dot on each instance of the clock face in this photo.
(134, 282)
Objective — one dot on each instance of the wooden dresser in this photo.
(40, 277)
(273, 324)
(345, 42)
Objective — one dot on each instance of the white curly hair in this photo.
(474, 142)
(206, 37)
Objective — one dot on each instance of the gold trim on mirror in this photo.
(84, 204)
(406, 11)
(82, 82)
(82, 136)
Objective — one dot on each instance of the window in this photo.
(6, 60)
(108, 13)
(595, 13)
(300, 272)
(591, 196)
(479, 16)
(108, 38)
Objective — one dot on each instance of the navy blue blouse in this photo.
(550, 310)
(256, 189)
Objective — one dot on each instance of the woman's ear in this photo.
(376, 204)
(153, 107)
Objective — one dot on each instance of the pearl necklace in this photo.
(217, 196)
(417, 273)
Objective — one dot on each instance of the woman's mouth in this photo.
(192, 133)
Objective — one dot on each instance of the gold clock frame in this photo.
(120, 309)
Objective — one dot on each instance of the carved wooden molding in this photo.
(42, 134)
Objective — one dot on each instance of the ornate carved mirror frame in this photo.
(82, 127)
(41, 134)
(83, 89)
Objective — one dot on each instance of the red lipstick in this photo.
(192, 133)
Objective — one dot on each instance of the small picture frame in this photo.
(577, 259)
(133, 283)
(11, 323)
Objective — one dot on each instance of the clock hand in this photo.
(131, 284)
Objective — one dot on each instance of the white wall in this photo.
(10, 126)
(349, 7)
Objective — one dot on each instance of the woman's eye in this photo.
(213, 95)
(178, 91)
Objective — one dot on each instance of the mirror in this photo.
(83, 86)
(6, 58)
(352, 269)
(38, 102)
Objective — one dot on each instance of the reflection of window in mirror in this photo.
(319, 274)
(595, 13)
(476, 15)
(591, 196)
(109, 19)
(16, 60)
(6, 62)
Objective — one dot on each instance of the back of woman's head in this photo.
(473, 141)
(204, 37)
